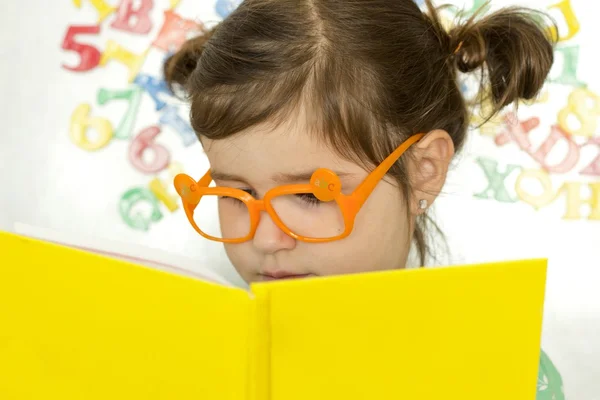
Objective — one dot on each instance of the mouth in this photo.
(282, 275)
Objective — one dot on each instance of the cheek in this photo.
(380, 240)
(241, 256)
(384, 215)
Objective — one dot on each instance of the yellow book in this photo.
(77, 325)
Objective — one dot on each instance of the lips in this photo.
(281, 275)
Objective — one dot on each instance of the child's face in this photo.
(380, 239)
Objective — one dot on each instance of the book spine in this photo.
(259, 359)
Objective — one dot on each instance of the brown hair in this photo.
(372, 72)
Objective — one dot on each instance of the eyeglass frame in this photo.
(324, 184)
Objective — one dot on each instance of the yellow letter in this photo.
(104, 10)
(574, 200)
(572, 23)
(537, 201)
(114, 51)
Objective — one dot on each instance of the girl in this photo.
(330, 125)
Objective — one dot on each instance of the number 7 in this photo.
(133, 96)
(89, 55)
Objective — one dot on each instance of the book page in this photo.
(77, 325)
(464, 333)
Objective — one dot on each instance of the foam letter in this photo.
(138, 220)
(546, 197)
(154, 87)
(170, 117)
(114, 51)
(572, 23)
(594, 168)
(135, 21)
(496, 181)
(517, 131)
(574, 200)
(226, 7)
(570, 159)
(158, 187)
(174, 31)
(104, 10)
(570, 57)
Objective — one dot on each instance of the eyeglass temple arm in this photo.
(362, 192)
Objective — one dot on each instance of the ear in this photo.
(428, 168)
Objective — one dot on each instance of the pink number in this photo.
(145, 141)
(88, 54)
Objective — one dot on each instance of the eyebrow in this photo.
(280, 178)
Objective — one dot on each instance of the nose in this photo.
(269, 238)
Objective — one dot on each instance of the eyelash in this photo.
(308, 198)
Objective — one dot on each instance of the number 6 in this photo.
(145, 141)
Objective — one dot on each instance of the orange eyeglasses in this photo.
(315, 212)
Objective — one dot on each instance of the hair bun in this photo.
(469, 51)
(513, 46)
(180, 65)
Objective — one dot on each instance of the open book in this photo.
(77, 325)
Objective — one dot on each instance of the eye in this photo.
(309, 199)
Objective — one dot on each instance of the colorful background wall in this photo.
(92, 137)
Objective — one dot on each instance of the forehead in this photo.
(263, 151)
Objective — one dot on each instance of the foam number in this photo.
(170, 117)
(133, 96)
(174, 31)
(569, 160)
(547, 196)
(133, 62)
(594, 168)
(134, 20)
(575, 201)
(89, 56)
(496, 187)
(159, 189)
(153, 86)
(104, 10)
(134, 218)
(573, 26)
(81, 121)
(143, 143)
(585, 107)
(570, 60)
(226, 7)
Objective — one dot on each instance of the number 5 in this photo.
(89, 55)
